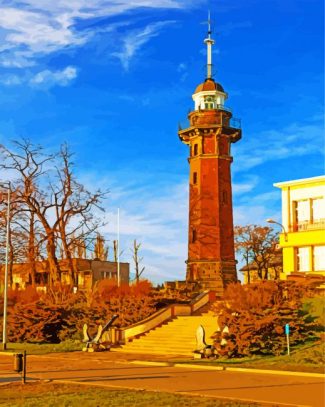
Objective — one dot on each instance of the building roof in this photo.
(208, 85)
(302, 181)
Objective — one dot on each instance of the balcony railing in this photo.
(234, 123)
(224, 108)
(305, 226)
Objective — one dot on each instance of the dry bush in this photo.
(256, 315)
(60, 314)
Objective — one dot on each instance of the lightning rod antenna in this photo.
(209, 41)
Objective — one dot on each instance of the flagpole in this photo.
(118, 248)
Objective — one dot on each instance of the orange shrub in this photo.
(256, 314)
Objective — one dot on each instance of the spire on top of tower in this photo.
(209, 41)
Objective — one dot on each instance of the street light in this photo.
(5, 293)
(280, 224)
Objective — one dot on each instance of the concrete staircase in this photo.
(177, 337)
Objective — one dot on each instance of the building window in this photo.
(303, 259)
(309, 213)
(194, 178)
(209, 102)
(318, 209)
(319, 258)
(302, 211)
(194, 235)
(196, 149)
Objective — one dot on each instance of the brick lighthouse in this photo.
(211, 258)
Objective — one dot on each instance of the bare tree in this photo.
(73, 206)
(47, 188)
(257, 245)
(100, 250)
(115, 256)
(137, 260)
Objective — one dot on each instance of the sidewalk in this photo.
(111, 370)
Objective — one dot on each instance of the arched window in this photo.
(196, 149)
(194, 178)
(193, 235)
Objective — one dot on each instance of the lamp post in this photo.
(280, 224)
(5, 293)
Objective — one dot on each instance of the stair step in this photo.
(176, 337)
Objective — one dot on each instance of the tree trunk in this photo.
(31, 250)
(51, 257)
(67, 253)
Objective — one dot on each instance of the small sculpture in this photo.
(202, 348)
(96, 344)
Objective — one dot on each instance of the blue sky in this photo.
(114, 79)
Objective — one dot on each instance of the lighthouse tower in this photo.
(211, 259)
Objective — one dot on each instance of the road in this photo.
(117, 371)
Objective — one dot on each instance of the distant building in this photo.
(274, 270)
(303, 220)
(88, 273)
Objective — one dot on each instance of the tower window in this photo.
(209, 102)
(194, 178)
(194, 235)
(196, 149)
(224, 197)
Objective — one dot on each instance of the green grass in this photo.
(62, 395)
(316, 307)
(43, 348)
(307, 358)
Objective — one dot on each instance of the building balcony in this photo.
(218, 121)
(310, 235)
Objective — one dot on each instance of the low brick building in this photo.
(88, 273)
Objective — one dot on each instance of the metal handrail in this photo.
(232, 123)
(223, 107)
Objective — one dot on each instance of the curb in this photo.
(230, 369)
(148, 363)
(275, 372)
(192, 366)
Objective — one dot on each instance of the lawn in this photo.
(60, 395)
(43, 348)
(307, 358)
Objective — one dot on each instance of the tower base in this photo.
(212, 275)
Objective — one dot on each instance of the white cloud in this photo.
(49, 78)
(156, 217)
(11, 80)
(135, 39)
(293, 140)
(43, 79)
(38, 27)
(246, 185)
(182, 69)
